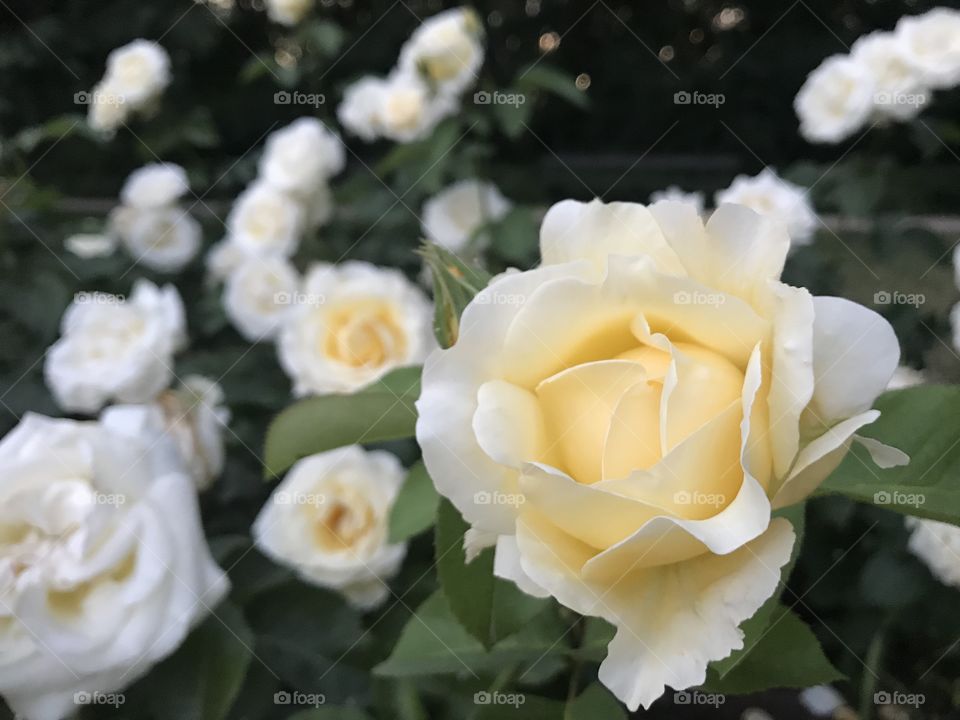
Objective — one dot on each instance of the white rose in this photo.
(933, 45)
(624, 419)
(772, 196)
(154, 185)
(164, 239)
(288, 12)
(836, 100)
(302, 156)
(674, 193)
(408, 109)
(452, 216)
(359, 322)
(90, 245)
(115, 348)
(139, 70)
(108, 108)
(937, 544)
(223, 258)
(328, 520)
(265, 221)
(104, 568)
(446, 49)
(259, 294)
(359, 111)
(899, 91)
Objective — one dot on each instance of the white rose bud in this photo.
(300, 157)
(164, 239)
(258, 294)
(359, 111)
(155, 185)
(932, 41)
(453, 216)
(139, 71)
(265, 221)
(446, 49)
(836, 100)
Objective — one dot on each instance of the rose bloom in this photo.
(835, 101)
(223, 258)
(113, 348)
(446, 49)
(899, 91)
(452, 216)
(139, 70)
(164, 239)
(677, 194)
(104, 568)
(108, 108)
(933, 45)
(301, 156)
(258, 294)
(409, 110)
(288, 12)
(769, 194)
(623, 420)
(329, 518)
(937, 544)
(359, 111)
(154, 185)
(192, 416)
(265, 221)
(353, 324)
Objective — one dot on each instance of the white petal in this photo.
(506, 565)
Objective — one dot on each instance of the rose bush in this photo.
(652, 393)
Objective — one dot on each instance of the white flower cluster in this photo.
(766, 193)
(291, 196)
(136, 76)
(155, 230)
(437, 64)
(888, 76)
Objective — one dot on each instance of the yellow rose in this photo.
(622, 421)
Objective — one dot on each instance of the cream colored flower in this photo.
(899, 91)
(139, 71)
(937, 544)
(453, 216)
(774, 197)
(359, 111)
(155, 185)
(836, 100)
(90, 245)
(115, 348)
(104, 569)
(108, 109)
(625, 418)
(932, 41)
(164, 239)
(409, 110)
(446, 50)
(288, 12)
(300, 157)
(225, 257)
(328, 520)
(676, 194)
(265, 221)
(356, 322)
(258, 294)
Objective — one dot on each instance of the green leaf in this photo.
(544, 77)
(512, 117)
(923, 422)
(516, 236)
(454, 285)
(786, 654)
(384, 411)
(595, 702)
(415, 509)
(469, 587)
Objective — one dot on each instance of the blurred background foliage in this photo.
(599, 120)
